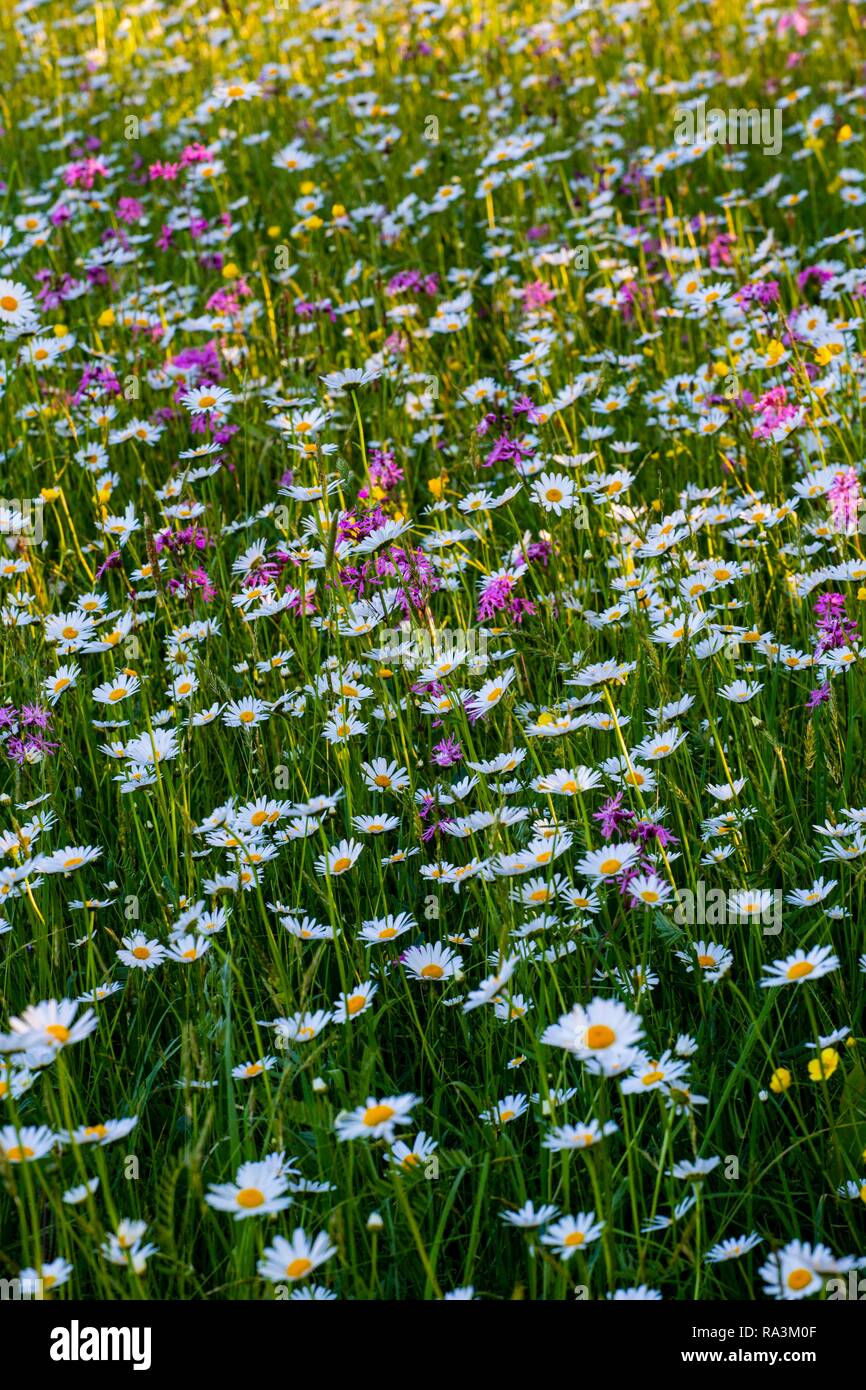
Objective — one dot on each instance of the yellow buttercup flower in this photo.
(823, 1067)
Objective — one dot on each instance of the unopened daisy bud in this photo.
(375, 1222)
(763, 1095)
(319, 1085)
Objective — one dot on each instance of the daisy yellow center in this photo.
(382, 780)
(247, 716)
(610, 866)
(554, 494)
(16, 1154)
(254, 1069)
(356, 1003)
(799, 1279)
(600, 1036)
(250, 1197)
(377, 1115)
(207, 400)
(800, 970)
(259, 817)
(117, 694)
(539, 896)
(69, 633)
(298, 1268)
(96, 1131)
(652, 1077)
(574, 1238)
(432, 972)
(9, 303)
(342, 864)
(141, 952)
(386, 933)
(58, 1032)
(706, 961)
(569, 786)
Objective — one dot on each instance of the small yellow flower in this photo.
(106, 319)
(307, 187)
(844, 134)
(780, 1080)
(273, 232)
(824, 1066)
(230, 271)
(50, 494)
(60, 330)
(437, 485)
(313, 223)
(338, 210)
